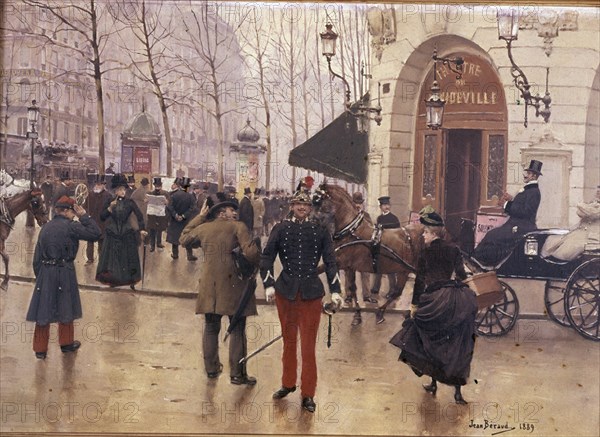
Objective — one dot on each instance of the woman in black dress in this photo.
(439, 338)
(119, 262)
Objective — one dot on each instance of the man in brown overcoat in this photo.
(220, 289)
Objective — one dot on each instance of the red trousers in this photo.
(304, 316)
(41, 336)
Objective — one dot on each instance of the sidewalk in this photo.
(140, 370)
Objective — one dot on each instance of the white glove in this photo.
(336, 298)
(413, 311)
(270, 293)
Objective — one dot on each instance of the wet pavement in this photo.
(140, 370)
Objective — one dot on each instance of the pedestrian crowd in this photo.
(437, 339)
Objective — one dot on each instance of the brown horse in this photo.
(15, 205)
(397, 251)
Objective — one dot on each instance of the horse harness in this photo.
(5, 216)
(374, 244)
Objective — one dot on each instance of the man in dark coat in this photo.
(96, 200)
(47, 189)
(387, 220)
(298, 291)
(181, 209)
(522, 211)
(157, 214)
(246, 211)
(220, 289)
(63, 188)
(56, 294)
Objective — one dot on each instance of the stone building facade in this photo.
(483, 145)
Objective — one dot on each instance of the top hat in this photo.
(205, 186)
(177, 181)
(185, 182)
(96, 179)
(119, 180)
(131, 179)
(215, 206)
(92, 178)
(358, 198)
(431, 219)
(535, 167)
(301, 197)
(247, 190)
(384, 200)
(257, 191)
(65, 202)
(157, 182)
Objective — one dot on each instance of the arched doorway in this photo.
(463, 165)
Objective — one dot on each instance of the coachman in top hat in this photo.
(522, 211)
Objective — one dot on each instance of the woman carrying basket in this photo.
(439, 338)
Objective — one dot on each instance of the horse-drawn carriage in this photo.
(572, 289)
(572, 293)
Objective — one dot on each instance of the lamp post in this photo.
(357, 109)
(434, 105)
(33, 113)
(508, 30)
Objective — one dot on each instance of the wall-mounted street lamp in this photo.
(434, 105)
(33, 113)
(357, 109)
(508, 30)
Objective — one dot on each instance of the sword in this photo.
(259, 350)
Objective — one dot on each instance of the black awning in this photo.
(338, 151)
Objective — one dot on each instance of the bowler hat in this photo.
(145, 181)
(216, 206)
(358, 198)
(65, 202)
(535, 167)
(384, 200)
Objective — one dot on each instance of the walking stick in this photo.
(144, 262)
(329, 309)
(259, 350)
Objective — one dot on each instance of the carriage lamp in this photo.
(33, 112)
(434, 105)
(531, 246)
(508, 30)
(357, 109)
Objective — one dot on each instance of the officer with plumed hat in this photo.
(300, 244)
(522, 212)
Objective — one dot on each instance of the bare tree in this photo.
(152, 61)
(213, 42)
(88, 20)
(257, 43)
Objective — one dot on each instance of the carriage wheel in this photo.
(582, 299)
(554, 300)
(498, 319)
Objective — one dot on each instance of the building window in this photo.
(495, 182)
(89, 136)
(54, 129)
(429, 165)
(191, 135)
(22, 126)
(66, 135)
(78, 135)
